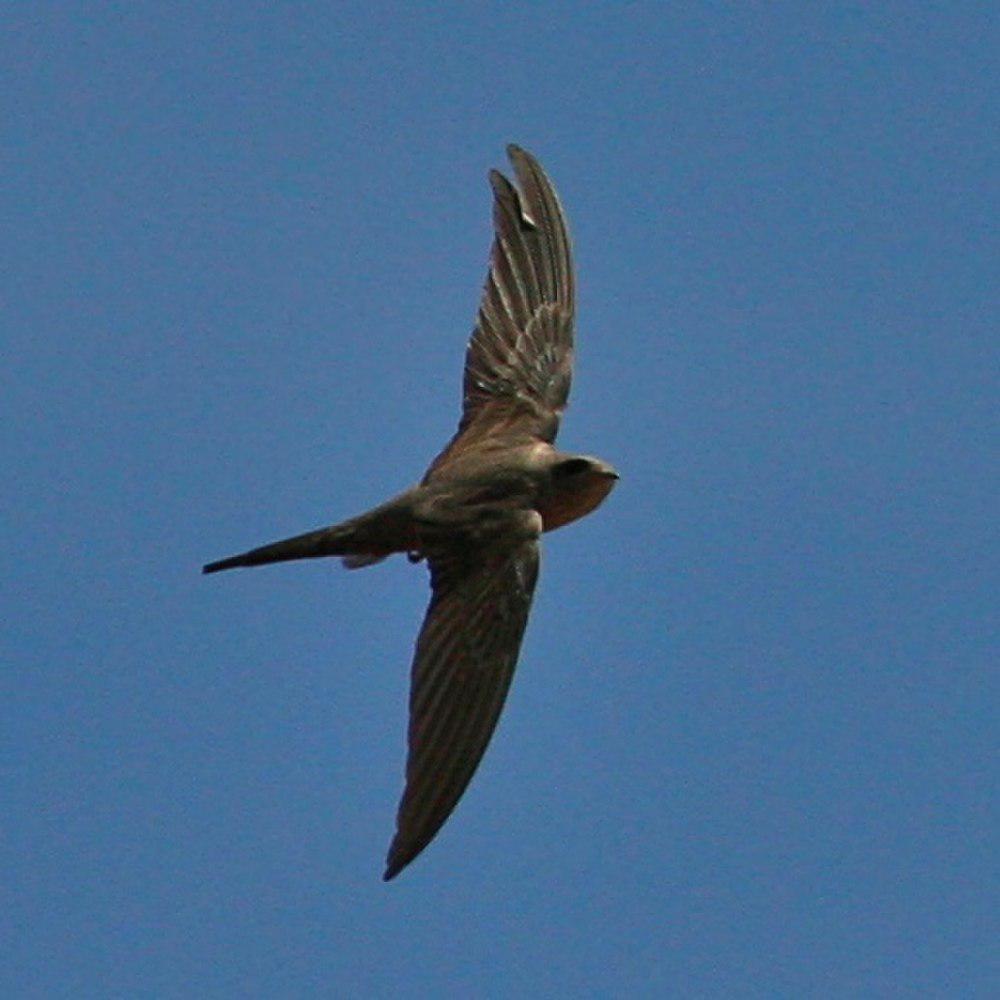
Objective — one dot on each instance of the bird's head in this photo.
(577, 485)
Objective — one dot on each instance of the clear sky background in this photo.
(750, 750)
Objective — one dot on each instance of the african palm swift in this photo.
(478, 513)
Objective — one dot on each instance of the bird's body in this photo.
(478, 512)
(531, 478)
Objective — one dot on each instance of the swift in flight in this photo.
(478, 513)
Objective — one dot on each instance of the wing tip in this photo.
(516, 152)
(508, 200)
(499, 183)
(396, 861)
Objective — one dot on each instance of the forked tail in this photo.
(339, 540)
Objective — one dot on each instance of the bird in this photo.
(478, 513)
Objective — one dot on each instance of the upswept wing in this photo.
(482, 586)
(519, 362)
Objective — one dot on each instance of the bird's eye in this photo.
(572, 467)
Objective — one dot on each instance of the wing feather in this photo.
(519, 361)
(462, 669)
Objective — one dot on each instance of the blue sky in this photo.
(751, 746)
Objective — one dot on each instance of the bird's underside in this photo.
(477, 515)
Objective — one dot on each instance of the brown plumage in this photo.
(479, 511)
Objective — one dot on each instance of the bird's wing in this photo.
(482, 582)
(519, 362)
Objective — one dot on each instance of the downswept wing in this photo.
(519, 362)
(462, 668)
